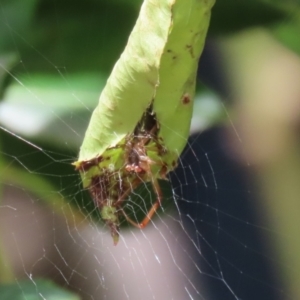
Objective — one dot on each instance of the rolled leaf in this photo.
(142, 121)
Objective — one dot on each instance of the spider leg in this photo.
(149, 136)
(126, 193)
(152, 210)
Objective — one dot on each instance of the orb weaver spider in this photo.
(112, 177)
(139, 163)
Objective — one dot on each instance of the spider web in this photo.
(206, 242)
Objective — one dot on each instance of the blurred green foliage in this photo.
(32, 291)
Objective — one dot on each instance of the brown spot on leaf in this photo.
(186, 98)
(84, 166)
(190, 49)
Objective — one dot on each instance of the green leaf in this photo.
(158, 65)
(35, 290)
(142, 122)
(174, 95)
(288, 34)
(35, 107)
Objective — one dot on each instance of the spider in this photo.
(138, 163)
(111, 189)
(112, 177)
